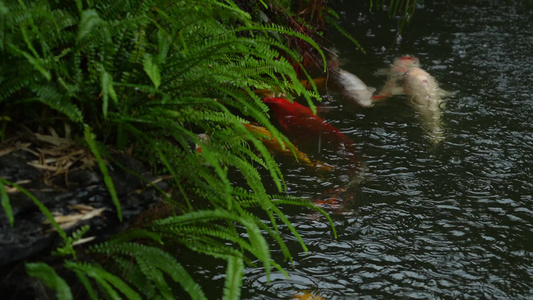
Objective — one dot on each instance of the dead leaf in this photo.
(83, 241)
(86, 213)
(54, 140)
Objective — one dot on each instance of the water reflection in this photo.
(453, 221)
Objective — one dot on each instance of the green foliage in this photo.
(234, 273)
(68, 243)
(49, 276)
(4, 198)
(48, 215)
(154, 75)
(107, 179)
(110, 285)
(148, 272)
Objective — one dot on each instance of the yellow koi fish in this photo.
(273, 144)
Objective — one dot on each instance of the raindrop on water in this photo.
(455, 160)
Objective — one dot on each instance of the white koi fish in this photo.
(350, 86)
(395, 75)
(425, 97)
(354, 89)
(405, 77)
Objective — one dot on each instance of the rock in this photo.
(65, 194)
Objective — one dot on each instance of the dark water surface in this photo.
(452, 221)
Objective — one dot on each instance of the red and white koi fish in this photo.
(395, 75)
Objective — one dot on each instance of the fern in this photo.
(234, 273)
(260, 248)
(68, 247)
(153, 75)
(107, 179)
(108, 283)
(153, 262)
(49, 276)
(4, 198)
(49, 217)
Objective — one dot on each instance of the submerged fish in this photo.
(274, 145)
(300, 123)
(395, 75)
(405, 77)
(354, 89)
(351, 87)
(307, 296)
(425, 97)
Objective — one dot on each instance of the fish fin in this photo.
(371, 89)
(445, 94)
(381, 72)
(397, 90)
(324, 108)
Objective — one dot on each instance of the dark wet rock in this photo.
(31, 236)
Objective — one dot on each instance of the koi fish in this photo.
(405, 77)
(274, 145)
(395, 74)
(307, 296)
(300, 122)
(320, 83)
(354, 89)
(425, 97)
(350, 86)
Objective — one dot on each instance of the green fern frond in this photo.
(332, 20)
(68, 243)
(233, 282)
(53, 98)
(103, 168)
(254, 234)
(130, 271)
(49, 276)
(82, 277)
(152, 262)
(4, 198)
(108, 283)
(153, 75)
(49, 217)
(289, 200)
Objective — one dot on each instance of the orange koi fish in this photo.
(300, 122)
(273, 144)
(307, 296)
(337, 201)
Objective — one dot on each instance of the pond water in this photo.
(427, 222)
